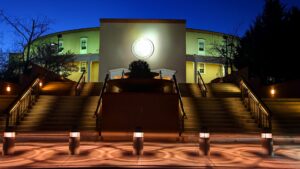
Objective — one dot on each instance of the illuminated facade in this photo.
(162, 43)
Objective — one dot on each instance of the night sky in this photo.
(228, 16)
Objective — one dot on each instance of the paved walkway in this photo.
(156, 155)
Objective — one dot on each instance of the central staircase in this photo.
(222, 111)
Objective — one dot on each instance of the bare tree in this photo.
(28, 31)
(226, 49)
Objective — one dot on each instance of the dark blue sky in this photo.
(228, 16)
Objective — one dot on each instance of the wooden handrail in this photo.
(183, 114)
(97, 112)
(80, 83)
(202, 85)
(258, 109)
(16, 111)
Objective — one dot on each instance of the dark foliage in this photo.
(270, 47)
(139, 69)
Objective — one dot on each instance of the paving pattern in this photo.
(156, 155)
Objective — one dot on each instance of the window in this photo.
(201, 68)
(60, 46)
(201, 47)
(83, 45)
(82, 66)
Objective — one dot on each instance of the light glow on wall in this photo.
(143, 48)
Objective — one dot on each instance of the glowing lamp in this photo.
(41, 84)
(9, 134)
(266, 135)
(204, 135)
(8, 88)
(138, 134)
(272, 91)
(74, 134)
(143, 48)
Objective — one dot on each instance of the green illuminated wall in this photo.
(210, 38)
(71, 40)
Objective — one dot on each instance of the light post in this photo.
(204, 142)
(267, 142)
(9, 137)
(138, 142)
(74, 142)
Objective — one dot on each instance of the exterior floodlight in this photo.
(8, 88)
(138, 142)
(204, 141)
(41, 84)
(9, 137)
(267, 143)
(74, 143)
(272, 91)
(143, 48)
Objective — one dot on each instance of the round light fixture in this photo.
(142, 48)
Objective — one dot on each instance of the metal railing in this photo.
(17, 110)
(258, 109)
(98, 114)
(201, 84)
(183, 114)
(80, 83)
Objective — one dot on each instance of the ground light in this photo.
(9, 137)
(267, 143)
(138, 142)
(74, 143)
(204, 142)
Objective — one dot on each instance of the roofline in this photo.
(71, 31)
(210, 32)
(121, 20)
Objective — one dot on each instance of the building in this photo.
(117, 42)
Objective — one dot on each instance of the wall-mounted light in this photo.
(8, 88)
(40, 84)
(142, 48)
(273, 91)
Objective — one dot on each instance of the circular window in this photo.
(142, 48)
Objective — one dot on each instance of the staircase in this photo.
(221, 111)
(59, 89)
(57, 109)
(91, 89)
(286, 115)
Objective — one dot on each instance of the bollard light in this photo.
(40, 84)
(204, 135)
(266, 135)
(74, 143)
(9, 137)
(267, 143)
(8, 88)
(204, 142)
(138, 141)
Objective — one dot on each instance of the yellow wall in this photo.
(75, 75)
(212, 71)
(210, 40)
(95, 72)
(190, 72)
